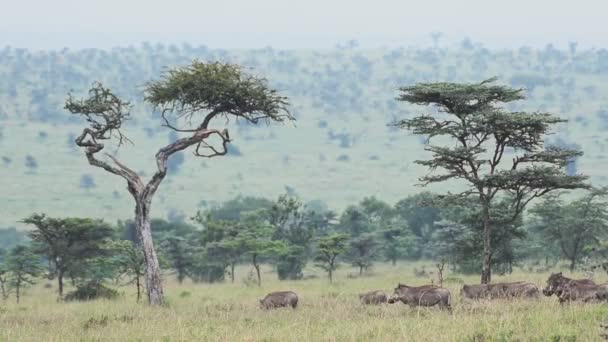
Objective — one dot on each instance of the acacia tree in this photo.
(328, 249)
(293, 224)
(130, 263)
(574, 226)
(478, 134)
(188, 99)
(397, 241)
(255, 237)
(362, 251)
(4, 289)
(68, 243)
(22, 265)
(179, 254)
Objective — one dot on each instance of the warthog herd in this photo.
(566, 289)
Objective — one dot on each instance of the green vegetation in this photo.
(480, 133)
(209, 224)
(343, 99)
(222, 312)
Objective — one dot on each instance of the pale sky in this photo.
(304, 24)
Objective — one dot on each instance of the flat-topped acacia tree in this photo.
(477, 133)
(188, 99)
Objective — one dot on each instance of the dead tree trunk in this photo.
(153, 280)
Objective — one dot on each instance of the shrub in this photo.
(233, 150)
(31, 163)
(90, 291)
(87, 182)
(343, 158)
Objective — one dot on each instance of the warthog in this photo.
(427, 295)
(557, 281)
(279, 300)
(587, 293)
(518, 289)
(373, 297)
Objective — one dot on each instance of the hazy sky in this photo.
(309, 23)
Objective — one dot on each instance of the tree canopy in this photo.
(477, 135)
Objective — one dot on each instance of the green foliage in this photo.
(478, 133)
(255, 236)
(179, 254)
(90, 291)
(294, 225)
(74, 247)
(22, 267)
(216, 89)
(4, 276)
(397, 242)
(572, 227)
(328, 249)
(232, 209)
(362, 251)
(10, 237)
(420, 214)
(130, 263)
(219, 246)
(458, 238)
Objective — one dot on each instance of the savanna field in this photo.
(337, 164)
(326, 312)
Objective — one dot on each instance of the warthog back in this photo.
(279, 299)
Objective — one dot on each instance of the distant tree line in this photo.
(90, 254)
(339, 80)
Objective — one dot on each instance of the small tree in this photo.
(419, 215)
(31, 163)
(478, 133)
(196, 94)
(362, 251)
(4, 288)
(328, 249)
(397, 242)
(255, 236)
(130, 263)
(68, 243)
(575, 226)
(22, 265)
(179, 254)
(293, 224)
(219, 243)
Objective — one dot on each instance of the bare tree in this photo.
(188, 98)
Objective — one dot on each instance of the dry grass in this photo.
(229, 312)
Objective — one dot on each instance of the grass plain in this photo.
(326, 312)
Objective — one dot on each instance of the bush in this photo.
(291, 263)
(90, 291)
(209, 273)
(87, 182)
(343, 158)
(31, 163)
(233, 151)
